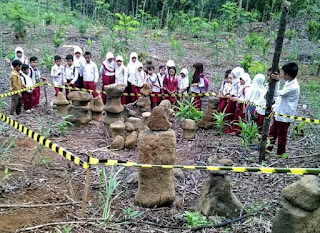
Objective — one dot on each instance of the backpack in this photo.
(206, 85)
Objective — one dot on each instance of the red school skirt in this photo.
(35, 97)
(230, 110)
(135, 90)
(106, 80)
(156, 99)
(222, 104)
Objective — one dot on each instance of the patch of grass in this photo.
(6, 145)
(130, 214)
(64, 125)
(194, 219)
(311, 90)
(249, 132)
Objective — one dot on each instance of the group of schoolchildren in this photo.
(238, 89)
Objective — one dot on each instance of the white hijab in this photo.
(109, 65)
(138, 78)
(170, 63)
(257, 89)
(119, 69)
(183, 83)
(78, 61)
(247, 82)
(23, 58)
(132, 66)
(237, 72)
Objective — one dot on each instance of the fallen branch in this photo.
(35, 205)
(304, 156)
(222, 224)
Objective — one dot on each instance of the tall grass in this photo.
(6, 145)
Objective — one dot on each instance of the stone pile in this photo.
(96, 108)
(79, 108)
(144, 102)
(62, 104)
(206, 122)
(156, 145)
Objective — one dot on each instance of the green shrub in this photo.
(186, 110)
(48, 18)
(313, 30)
(219, 121)
(195, 220)
(17, 17)
(249, 131)
(257, 68)
(247, 61)
(59, 37)
(83, 26)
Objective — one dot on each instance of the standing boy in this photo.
(27, 82)
(70, 73)
(90, 73)
(57, 74)
(34, 73)
(15, 85)
(288, 103)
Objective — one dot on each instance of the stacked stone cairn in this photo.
(79, 108)
(206, 122)
(299, 210)
(144, 102)
(96, 108)
(62, 104)
(156, 145)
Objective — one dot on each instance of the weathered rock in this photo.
(129, 127)
(212, 161)
(114, 105)
(110, 119)
(158, 120)
(79, 115)
(131, 140)
(114, 90)
(132, 178)
(189, 129)
(144, 103)
(178, 173)
(156, 185)
(225, 162)
(206, 122)
(62, 104)
(291, 219)
(96, 108)
(213, 102)
(217, 198)
(117, 128)
(135, 121)
(145, 120)
(117, 143)
(127, 112)
(146, 90)
(79, 98)
(166, 104)
(304, 193)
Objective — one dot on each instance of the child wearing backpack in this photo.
(107, 72)
(57, 74)
(15, 85)
(154, 82)
(199, 84)
(27, 82)
(170, 84)
(34, 73)
(70, 73)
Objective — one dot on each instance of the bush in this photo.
(48, 18)
(249, 132)
(59, 37)
(246, 62)
(186, 110)
(17, 16)
(313, 30)
(83, 26)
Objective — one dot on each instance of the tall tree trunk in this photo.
(132, 8)
(272, 83)
(137, 8)
(240, 6)
(47, 5)
(247, 6)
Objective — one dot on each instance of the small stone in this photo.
(129, 127)
(127, 112)
(215, 219)
(144, 104)
(62, 104)
(225, 162)
(135, 121)
(166, 104)
(79, 96)
(158, 120)
(79, 115)
(206, 122)
(117, 128)
(213, 102)
(132, 178)
(178, 173)
(114, 90)
(146, 90)
(114, 105)
(131, 140)
(189, 129)
(118, 143)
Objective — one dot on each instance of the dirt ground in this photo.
(57, 184)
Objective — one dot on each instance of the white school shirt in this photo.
(137, 79)
(57, 79)
(26, 80)
(70, 73)
(197, 89)
(161, 78)
(289, 98)
(121, 75)
(263, 99)
(154, 79)
(90, 72)
(183, 83)
(227, 88)
(34, 74)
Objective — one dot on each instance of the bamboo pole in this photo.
(272, 83)
(86, 188)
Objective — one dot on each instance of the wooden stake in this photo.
(86, 189)
(272, 83)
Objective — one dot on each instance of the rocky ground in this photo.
(55, 180)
